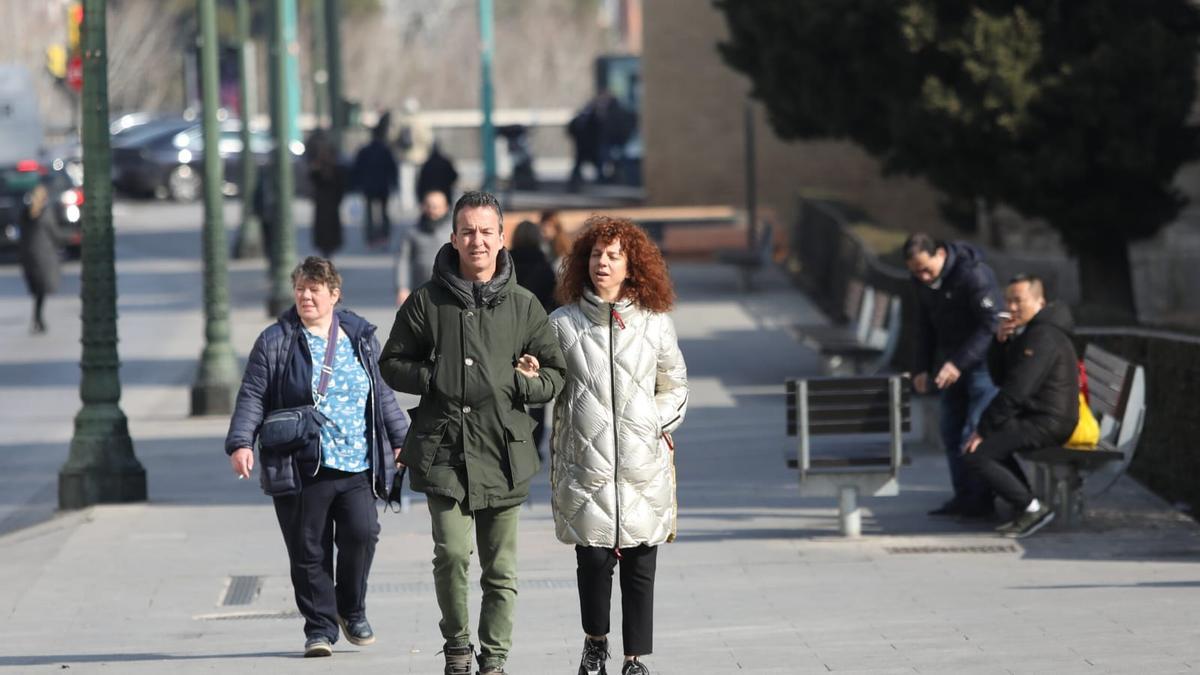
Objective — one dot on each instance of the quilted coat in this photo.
(612, 472)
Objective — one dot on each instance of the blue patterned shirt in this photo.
(344, 434)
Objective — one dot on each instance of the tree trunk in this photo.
(1106, 283)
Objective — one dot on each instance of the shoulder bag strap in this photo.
(327, 367)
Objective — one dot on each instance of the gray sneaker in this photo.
(1030, 522)
(317, 646)
(595, 653)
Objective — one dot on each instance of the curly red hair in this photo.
(647, 282)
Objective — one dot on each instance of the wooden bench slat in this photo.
(856, 427)
(1108, 360)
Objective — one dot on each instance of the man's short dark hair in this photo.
(1035, 283)
(474, 200)
(919, 242)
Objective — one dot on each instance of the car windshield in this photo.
(150, 131)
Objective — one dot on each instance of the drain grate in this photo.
(983, 548)
(241, 590)
(250, 616)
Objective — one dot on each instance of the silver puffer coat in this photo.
(626, 387)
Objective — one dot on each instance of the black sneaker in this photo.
(595, 653)
(317, 646)
(459, 659)
(357, 631)
(950, 508)
(634, 668)
(1029, 522)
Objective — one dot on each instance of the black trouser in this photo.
(994, 460)
(594, 573)
(384, 230)
(332, 507)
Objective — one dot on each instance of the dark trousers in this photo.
(962, 404)
(994, 461)
(376, 205)
(594, 571)
(333, 507)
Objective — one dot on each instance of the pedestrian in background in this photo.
(328, 182)
(437, 173)
(535, 275)
(39, 245)
(959, 299)
(324, 494)
(413, 141)
(612, 456)
(376, 174)
(555, 242)
(477, 348)
(420, 245)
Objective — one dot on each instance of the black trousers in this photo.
(333, 507)
(594, 571)
(377, 205)
(994, 461)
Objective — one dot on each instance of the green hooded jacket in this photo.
(456, 344)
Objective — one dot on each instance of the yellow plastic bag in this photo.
(1087, 430)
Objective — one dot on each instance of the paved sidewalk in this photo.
(758, 581)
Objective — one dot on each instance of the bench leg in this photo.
(849, 516)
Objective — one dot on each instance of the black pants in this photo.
(594, 573)
(333, 507)
(384, 230)
(994, 461)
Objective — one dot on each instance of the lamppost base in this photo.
(213, 398)
(80, 488)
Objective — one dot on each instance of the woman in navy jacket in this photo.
(326, 496)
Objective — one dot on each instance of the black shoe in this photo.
(986, 512)
(950, 508)
(358, 631)
(595, 653)
(1030, 522)
(459, 659)
(634, 668)
(317, 646)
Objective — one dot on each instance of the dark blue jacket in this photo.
(958, 318)
(375, 169)
(279, 375)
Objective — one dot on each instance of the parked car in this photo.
(167, 159)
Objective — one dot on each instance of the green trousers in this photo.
(495, 534)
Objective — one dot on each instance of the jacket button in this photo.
(469, 361)
(466, 408)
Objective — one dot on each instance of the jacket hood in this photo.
(960, 254)
(433, 225)
(1055, 314)
(349, 323)
(490, 293)
(597, 310)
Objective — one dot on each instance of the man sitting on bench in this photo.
(1034, 363)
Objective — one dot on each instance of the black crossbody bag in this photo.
(287, 430)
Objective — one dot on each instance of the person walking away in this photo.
(437, 173)
(612, 455)
(328, 186)
(413, 140)
(325, 492)
(1033, 361)
(40, 243)
(376, 174)
(477, 348)
(957, 315)
(420, 245)
(555, 242)
(535, 275)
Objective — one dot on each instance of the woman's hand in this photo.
(242, 461)
(528, 366)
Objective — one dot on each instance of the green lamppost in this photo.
(101, 466)
(487, 130)
(317, 63)
(249, 243)
(216, 379)
(283, 242)
(333, 69)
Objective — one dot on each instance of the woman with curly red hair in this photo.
(612, 470)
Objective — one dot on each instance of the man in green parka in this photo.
(477, 348)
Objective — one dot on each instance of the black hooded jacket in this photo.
(1038, 375)
(958, 317)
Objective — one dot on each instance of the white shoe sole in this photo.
(1036, 526)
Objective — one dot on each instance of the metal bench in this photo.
(871, 414)
(751, 260)
(1117, 391)
(866, 345)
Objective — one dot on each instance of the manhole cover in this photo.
(242, 590)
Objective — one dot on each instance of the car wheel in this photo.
(183, 184)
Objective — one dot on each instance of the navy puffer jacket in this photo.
(279, 375)
(958, 316)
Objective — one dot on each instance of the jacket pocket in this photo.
(422, 441)
(523, 461)
(278, 474)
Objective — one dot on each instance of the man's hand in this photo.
(396, 455)
(947, 376)
(242, 461)
(921, 382)
(528, 366)
(972, 443)
(1005, 329)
